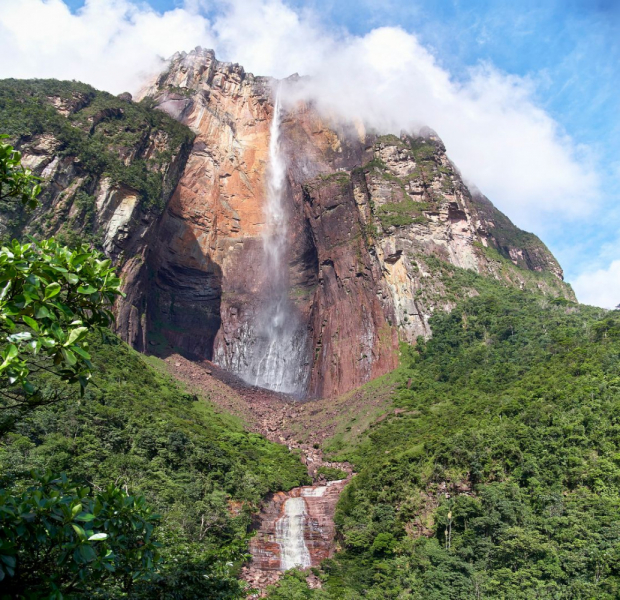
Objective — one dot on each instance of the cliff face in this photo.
(206, 265)
(367, 218)
(364, 214)
(108, 168)
(410, 207)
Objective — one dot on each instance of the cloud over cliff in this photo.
(492, 126)
(600, 287)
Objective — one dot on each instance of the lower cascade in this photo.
(290, 535)
(294, 529)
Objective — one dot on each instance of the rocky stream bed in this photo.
(294, 528)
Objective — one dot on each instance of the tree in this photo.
(58, 539)
(51, 297)
(16, 182)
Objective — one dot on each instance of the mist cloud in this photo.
(600, 287)
(493, 129)
(111, 44)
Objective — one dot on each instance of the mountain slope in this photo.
(492, 473)
(196, 467)
(108, 167)
(366, 216)
(495, 472)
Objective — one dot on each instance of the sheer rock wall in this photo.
(367, 216)
(364, 211)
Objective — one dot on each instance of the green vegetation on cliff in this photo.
(101, 135)
(499, 475)
(531, 251)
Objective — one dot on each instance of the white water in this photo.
(290, 535)
(314, 492)
(275, 356)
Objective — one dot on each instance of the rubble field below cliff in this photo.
(311, 426)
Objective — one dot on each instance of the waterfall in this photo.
(317, 491)
(290, 535)
(276, 358)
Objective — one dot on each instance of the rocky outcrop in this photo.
(352, 316)
(316, 516)
(207, 264)
(416, 209)
(523, 249)
(369, 219)
(108, 168)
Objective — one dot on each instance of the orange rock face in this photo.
(362, 213)
(317, 523)
(208, 249)
(208, 260)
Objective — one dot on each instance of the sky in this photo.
(524, 94)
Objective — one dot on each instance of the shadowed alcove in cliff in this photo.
(184, 294)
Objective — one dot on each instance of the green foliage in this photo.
(59, 538)
(459, 284)
(56, 539)
(102, 131)
(423, 149)
(401, 214)
(137, 426)
(374, 165)
(293, 586)
(80, 228)
(499, 476)
(332, 473)
(16, 182)
(390, 140)
(50, 298)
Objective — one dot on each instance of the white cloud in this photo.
(494, 131)
(111, 44)
(601, 287)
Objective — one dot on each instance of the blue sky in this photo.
(566, 51)
(570, 48)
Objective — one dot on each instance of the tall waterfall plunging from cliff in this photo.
(290, 535)
(276, 357)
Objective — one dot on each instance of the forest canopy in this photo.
(499, 474)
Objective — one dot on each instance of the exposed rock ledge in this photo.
(318, 531)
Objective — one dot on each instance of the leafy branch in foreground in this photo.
(16, 182)
(50, 298)
(58, 537)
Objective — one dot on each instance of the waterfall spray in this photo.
(276, 359)
(290, 535)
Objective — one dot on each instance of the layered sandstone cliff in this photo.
(364, 213)
(108, 167)
(368, 217)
